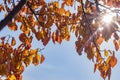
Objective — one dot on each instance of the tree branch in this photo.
(97, 3)
(12, 14)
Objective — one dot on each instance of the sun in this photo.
(108, 17)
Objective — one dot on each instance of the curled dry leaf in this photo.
(13, 42)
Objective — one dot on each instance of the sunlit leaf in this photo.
(12, 77)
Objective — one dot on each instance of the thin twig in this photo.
(29, 6)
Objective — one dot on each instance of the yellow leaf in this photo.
(56, 4)
(25, 53)
(67, 13)
(108, 60)
(27, 61)
(33, 51)
(12, 77)
(13, 42)
(106, 53)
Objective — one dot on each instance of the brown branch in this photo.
(97, 4)
(12, 14)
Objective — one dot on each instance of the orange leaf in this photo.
(61, 11)
(99, 40)
(12, 26)
(67, 13)
(42, 59)
(59, 39)
(113, 61)
(53, 37)
(36, 60)
(13, 42)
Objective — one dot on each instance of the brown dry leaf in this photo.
(1, 7)
(95, 67)
(12, 26)
(38, 35)
(13, 42)
(42, 59)
(116, 45)
(53, 37)
(22, 37)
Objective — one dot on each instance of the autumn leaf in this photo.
(33, 51)
(99, 40)
(95, 67)
(22, 37)
(12, 77)
(25, 53)
(116, 45)
(61, 11)
(38, 35)
(108, 59)
(27, 61)
(36, 59)
(54, 37)
(59, 40)
(13, 42)
(67, 13)
(42, 59)
(106, 53)
(12, 26)
(113, 61)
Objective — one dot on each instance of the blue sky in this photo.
(63, 63)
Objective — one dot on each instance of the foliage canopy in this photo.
(35, 18)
